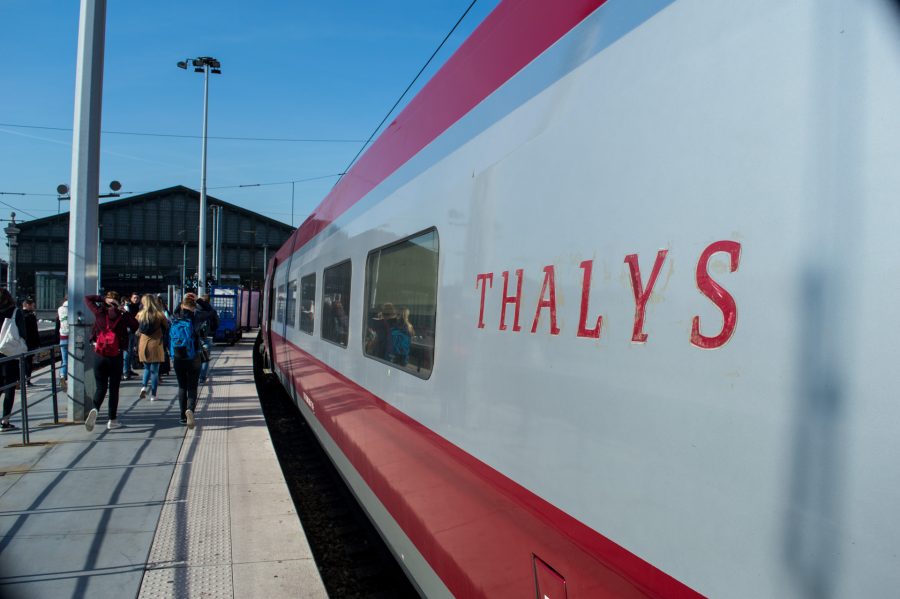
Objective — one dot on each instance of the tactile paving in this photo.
(195, 581)
(191, 552)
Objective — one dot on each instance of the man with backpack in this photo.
(184, 346)
(110, 338)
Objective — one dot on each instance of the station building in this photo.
(148, 242)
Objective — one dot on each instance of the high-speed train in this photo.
(610, 309)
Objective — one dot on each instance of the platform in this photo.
(152, 509)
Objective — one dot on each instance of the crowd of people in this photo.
(138, 333)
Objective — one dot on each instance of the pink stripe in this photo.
(513, 35)
(476, 528)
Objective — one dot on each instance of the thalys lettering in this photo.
(589, 327)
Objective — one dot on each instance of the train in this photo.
(607, 310)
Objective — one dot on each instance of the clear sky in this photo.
(326, 70)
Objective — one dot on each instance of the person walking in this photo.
(209, 322)
(184, 346)
(132, 306)
(152, 327)
(165, 368)
(9, 370)
(62, 321)
(110, 336)
(32, 336)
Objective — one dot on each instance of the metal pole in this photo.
(53, 389)
(183, 267)
(292, 203)
(23, 384)
(218, 243)
(214, 231)
(201, 250)
(82, 269)
(12, 240)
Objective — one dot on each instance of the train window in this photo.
(401, 303)
(279, 304)
(336, 303)
(307, 303)
(291, 308)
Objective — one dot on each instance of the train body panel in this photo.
(713, 183)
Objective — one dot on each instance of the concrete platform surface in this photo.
(152, 509)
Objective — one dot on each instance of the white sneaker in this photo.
(143, 392)
(91, 419)
(189, 416)
(152, 397)
(113, 424)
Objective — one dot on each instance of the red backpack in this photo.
(107, 343)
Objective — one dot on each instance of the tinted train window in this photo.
(401, 303)
(291, 309)
(336, 303)
(307, 303)
(279, 304)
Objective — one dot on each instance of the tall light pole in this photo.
(205, 65)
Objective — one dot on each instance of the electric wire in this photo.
(232, 138)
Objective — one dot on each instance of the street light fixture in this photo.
(205, 65)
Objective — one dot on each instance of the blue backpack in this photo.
(181, 340)
(398, 345)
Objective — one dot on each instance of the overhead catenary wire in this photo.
(178, 135)
(307, 179)
(408, 87)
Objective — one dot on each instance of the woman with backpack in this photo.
(152, 326)
(184, 346)
(9, 370)
(110, 337)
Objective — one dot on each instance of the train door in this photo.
(268, 298)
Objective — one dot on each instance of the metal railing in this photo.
(22, 383)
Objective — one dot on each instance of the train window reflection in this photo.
(291, 309)
(336, 303)
(279, 304)
(307, 303)
(401, 303)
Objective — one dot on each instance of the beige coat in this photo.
(150, 347)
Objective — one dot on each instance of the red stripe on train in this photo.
(513, 35)
(476, 528)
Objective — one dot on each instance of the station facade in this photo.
(148, 242)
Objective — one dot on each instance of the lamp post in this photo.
(12, 240)
(252, 253)
(205, 65)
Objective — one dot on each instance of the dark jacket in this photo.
(206, 317)
(7, 312)
(32, 336)
(106, 316)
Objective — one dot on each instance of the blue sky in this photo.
(302, 69)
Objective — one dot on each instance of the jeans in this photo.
(128, 354)
(108, 374)
(188, 374)
(151, 376)
(204, 366)
(63, 358)
(9, 373)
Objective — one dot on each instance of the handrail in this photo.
(55, 350)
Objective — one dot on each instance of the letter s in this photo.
(717, 294)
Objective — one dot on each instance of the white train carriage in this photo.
(608, 309)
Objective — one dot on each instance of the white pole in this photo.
(82, 268)
(201, 250)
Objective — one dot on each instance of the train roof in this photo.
(513, 35)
